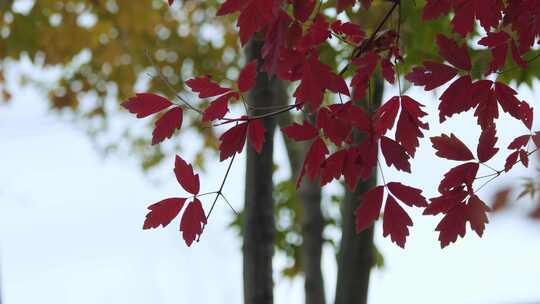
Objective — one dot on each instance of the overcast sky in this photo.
(70, 228)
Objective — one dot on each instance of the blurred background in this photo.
(77, 173)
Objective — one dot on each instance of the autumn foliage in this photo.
(292, 32)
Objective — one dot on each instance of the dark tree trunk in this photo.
(312, 220)
(356, 252)
(312, 229)
(259, 204)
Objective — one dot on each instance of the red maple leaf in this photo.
(445, 202)
(333, 166)
(146, 104)
(452, 225)
(219, 107)
(232, 141)
(193, 221)
(313, 160)
(409, 124)
(498, 44)
(396, 222)
(352, 31)
(450, 147)
(458, 176)
(167, 124)
(488, 12)
(408, 195)
(476, 214)
(366, 66)
(255, 133)
(317, 33)
(457, 55)
(205, 87)
(185, 176)
(316, 78)
(395, 154)
(457, 98)
(486, 144)
(337, 130)
(163, 212)
(305, 131)
(432, 75)
(302, 9)
(247, 76)
(369, 208)
(386, 115)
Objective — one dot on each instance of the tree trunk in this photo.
(356, 252)
(258, 227)
(312, 219)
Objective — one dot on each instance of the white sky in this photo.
(70, 229)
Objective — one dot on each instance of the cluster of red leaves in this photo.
(293, 31)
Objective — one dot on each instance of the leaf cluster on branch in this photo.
(292, 32)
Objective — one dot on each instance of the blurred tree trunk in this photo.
(356, 252)
(258, 229)
(312, 220)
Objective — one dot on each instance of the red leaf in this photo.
(369, 209)
(409, 124)
(388, 70)
(488, 12)
(193, 221)
(432, 75)
(408, 195)
(445, 202)
(219, 107)
(507, 99)
(253, 17)
(171, 2)
(205, 87)
(163, 212)
(316, 34)
(385, 116)
(456, 55)
(511, 160)
(353, 31)
(436, 8)
(396, 222)
(145, 104)
(167, 124)
(526, 114)
(394, 154)
(302, 132)
(344, 4)
(232, 141)
(524, 158)
(366, 66)
(457, 98)
(248, 76)
(302, 9)
(486, 144)
(450, 147)
(452, 225)
(313, 161)
(463, 174)
(334, 128)
(333, 167)
(498, 44)
(316, 78)
(488, 109)
(256, 134)
(185, 176)
(476, 214)
(519, 142)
